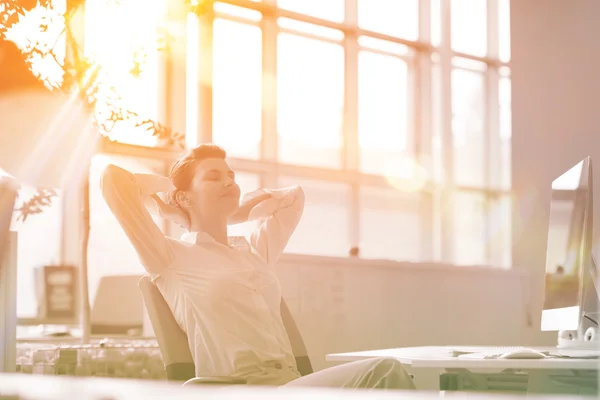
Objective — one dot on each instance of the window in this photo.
(500, 231)
(469, 215)
(324, 227)
(358, 111)
(436, 22)
(237, 88)
(332, 10)
(382, 133)
(38, 245)
(129, 58)
(504, 30)
(469, 27)
(468, 127)
(110, 252)
(310, 101)
(390, 224)
(390, 17)
(505, 131)
(382, 110)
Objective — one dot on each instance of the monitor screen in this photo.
(570, 213)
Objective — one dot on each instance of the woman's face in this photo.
(213, 188)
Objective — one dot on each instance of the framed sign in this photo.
(57, 293)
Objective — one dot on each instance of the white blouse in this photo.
(226, 298)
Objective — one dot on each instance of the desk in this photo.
(427, 363)
(59, 388)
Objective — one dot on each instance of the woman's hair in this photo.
(183, 170)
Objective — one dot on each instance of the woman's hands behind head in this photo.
(171, 213)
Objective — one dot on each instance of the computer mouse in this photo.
(522, 355)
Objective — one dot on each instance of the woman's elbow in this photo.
(299, 198)
(112, 178)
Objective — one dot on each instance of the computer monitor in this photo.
(571, 298)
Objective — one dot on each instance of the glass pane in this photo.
(500, 235)
(237, 88)
(110, 252)
(310, 101)
(390, 17)
(128, 56)
(505, 131)
(437, 160)
(323, 229)
(38, 244)
(468, 127)
(332, 10)
(469, 26)
(248, 182)
(382, 110)
(390, 224)
(436, 22)
(469, 219)
(504, 30)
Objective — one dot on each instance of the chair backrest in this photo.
(173, 342)
(298, 347)
(105, 318)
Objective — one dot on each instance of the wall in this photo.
(345, 305)
(556, 121)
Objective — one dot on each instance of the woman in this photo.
(223, 291)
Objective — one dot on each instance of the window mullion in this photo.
(421, 115)
(72, 198)
(492, 125)
(351, 147)
(447, 192)
(269, 140)
(204, 78)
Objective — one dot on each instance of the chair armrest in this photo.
(215, 380)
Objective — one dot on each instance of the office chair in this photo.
(173, 342)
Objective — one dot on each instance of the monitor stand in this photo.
(573, 344)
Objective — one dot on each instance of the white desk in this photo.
(426, 363)
(45, 387)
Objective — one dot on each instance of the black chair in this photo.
(173, 342)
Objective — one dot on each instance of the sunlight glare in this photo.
(407, 175)
(120, 47)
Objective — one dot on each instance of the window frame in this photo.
(437, 242)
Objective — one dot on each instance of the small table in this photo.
(429, 363)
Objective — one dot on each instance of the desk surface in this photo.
(42, 387)
(441, 357)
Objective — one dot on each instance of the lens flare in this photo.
(407, 175)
